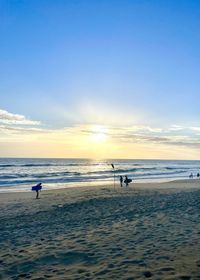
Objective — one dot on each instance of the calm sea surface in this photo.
(21, 174)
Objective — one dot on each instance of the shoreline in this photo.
(195, 182)
(19, 175)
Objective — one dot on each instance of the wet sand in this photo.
(145, 231)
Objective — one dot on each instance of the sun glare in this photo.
(99, 134)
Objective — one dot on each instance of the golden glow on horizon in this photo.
(91, 141)
(99, 134)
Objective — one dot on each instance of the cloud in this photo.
(184, 128)
(15, 126)
(148, 135)
(176, 127)
(195, 128)
(17, 129)
(10, 118)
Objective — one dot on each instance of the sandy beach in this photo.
(140, 232)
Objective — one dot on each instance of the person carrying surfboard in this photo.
(37, 188)
(127, 181)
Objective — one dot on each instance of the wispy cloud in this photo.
(151, 135)
(176, 127)
(15, 126)
(147, 135)
(18, 129)
(10, 118)
(195, 128)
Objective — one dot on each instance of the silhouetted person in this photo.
(121, 181)
(191, 176)
(37, 188)
(198, 175)
(126, 181)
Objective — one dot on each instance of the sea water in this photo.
(18, 174)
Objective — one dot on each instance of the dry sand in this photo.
(145, 231)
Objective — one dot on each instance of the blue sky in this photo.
(109, 63)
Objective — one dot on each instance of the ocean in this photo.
(18, 174)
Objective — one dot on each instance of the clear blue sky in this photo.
(80, 61)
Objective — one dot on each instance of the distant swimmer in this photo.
(121, 181)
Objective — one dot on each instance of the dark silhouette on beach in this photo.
(37, 188)
(121, 181)
(198, 175)
(191, 176)
(127, 181)
(37, 194)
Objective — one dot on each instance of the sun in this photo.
(99, 134)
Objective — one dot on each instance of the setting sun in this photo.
(99, 134)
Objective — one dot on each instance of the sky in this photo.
(100, 79)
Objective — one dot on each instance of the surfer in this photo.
(127, 181)
(37, 188)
